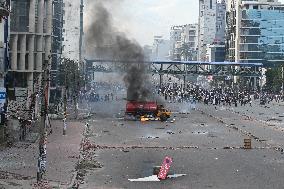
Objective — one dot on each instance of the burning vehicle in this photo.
(146, 111)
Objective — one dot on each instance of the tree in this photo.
(72, 79)
(185, 51)
(274, 79)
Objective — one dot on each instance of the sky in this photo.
(146, 18)
(141, 20)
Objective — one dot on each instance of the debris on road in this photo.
(165, 168)
(153, 178)
(247, 143)
(42, 185)
(200, 132)
(162, 175)
(170, 132)
(176, 175)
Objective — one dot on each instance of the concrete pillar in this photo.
(48, 31)
(14, 54)
(22, 52)
(39, 39)
(31, 52)
(254, 83)
(48, 49)
(32, 16)
(39, 81)
(48, 39)
(40, 16)
(238, 25)
(161, 75)
(49, 17)
(30, 83)
(39, 53)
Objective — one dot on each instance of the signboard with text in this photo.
(3, 95)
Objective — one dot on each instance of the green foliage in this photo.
(274, 79)
(70, 76)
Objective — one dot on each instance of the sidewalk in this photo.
(18, 165)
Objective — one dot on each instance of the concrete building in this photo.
(215, 53)
(4, 61)
(184, 42)
(4, 38)
(57, 41)
(175, 40)
(30, 48)
(211, 25)
(71, 29)
(189, 45)
(161, 48)
(255, 32)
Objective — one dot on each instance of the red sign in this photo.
(165, 168)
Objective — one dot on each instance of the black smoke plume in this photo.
(107, 43)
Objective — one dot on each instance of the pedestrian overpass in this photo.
(181, 68)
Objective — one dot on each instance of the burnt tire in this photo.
(163, 117)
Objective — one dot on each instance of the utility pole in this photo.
(81, 30)
(65, 98)
(75, 89)
(282, 81)
(43, 132)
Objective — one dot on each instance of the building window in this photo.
(210, 4)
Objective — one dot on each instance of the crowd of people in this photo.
(101, 92)
(173, 92)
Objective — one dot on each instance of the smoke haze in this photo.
(105, 42)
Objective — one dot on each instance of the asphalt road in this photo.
(204, 144)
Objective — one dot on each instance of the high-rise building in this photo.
(71, 29)
(161, 48)
(175, 40)
(211, 30)
(4, 61)
(184, 42)
(189, 39)
(215, 53)
(255, 32)
(57, 41)
(30, 48)
(4, 38)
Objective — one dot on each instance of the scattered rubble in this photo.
(42, 185)
(6, 175)
(275, 120)
(162, 174)
(86, 164)
(200, 132)
(170, 132)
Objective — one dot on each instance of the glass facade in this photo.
(220, 54)
(262, 36)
